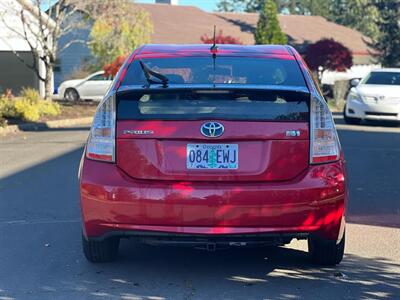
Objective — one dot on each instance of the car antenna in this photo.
(214, 46)
(214, 49)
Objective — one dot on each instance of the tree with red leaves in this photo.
(220, 38)
(112, 68)
(328, 54)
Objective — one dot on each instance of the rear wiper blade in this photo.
(148, 73)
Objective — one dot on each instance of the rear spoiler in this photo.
(248, 87)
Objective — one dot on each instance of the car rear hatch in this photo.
(215, 134)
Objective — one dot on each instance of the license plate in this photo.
(212, 156)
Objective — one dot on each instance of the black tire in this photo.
(100, 251)
(71, 95)
(325, 252)
(350, 120)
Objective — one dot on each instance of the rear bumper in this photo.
(205, 241)
(115, 204)
(371, 111)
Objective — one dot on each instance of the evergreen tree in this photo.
(268, 30)
(361, 15)
(227, 6)
(300, 7)
(312, 7)
(255, 5)
(248, 5)
(387, 44)
(283, 6)
(357, 14)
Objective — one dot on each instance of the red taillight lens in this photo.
(101, 143)
(325, 145)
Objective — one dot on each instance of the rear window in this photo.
(213, 104)
(222, 70)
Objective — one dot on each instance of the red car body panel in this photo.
(282, 193)
(111, 200)
(266, 153)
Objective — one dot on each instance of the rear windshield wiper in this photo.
(148, 73)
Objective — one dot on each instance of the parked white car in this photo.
(93, 87)
(376, 97)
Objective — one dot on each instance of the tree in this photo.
(112, 68)
(387, 44)
(361, 15)
(268, 30)
(358, 14)
(312, 7)
(41, 33)
(328, 54)
(256, 5)
(227, 6)
(117, 33)
(239, 5)
(251, 5)
(302, 7)
(220, 38)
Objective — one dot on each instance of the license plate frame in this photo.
(203, 156)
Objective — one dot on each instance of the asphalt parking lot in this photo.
(40, 253)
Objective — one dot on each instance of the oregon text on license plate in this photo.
(212, 156)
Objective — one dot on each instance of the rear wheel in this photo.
(71, 95)
(100, 251)
(325, 252)
(350, 120)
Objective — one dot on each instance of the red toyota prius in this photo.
(213, 147)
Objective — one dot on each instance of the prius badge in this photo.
(138, 132)
(212, 129)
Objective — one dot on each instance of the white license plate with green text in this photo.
(212, 156)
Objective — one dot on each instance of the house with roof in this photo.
(178, 24)
(15, 52)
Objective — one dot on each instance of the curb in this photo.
(45, 125)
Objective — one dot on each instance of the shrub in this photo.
(28, 109)
(30, 94)
(3, 122)
(220, 38)
(7, 108)
(47, 108)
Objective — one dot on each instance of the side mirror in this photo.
(354, 82)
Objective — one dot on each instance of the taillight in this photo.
(101, 143)
(325, 146)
